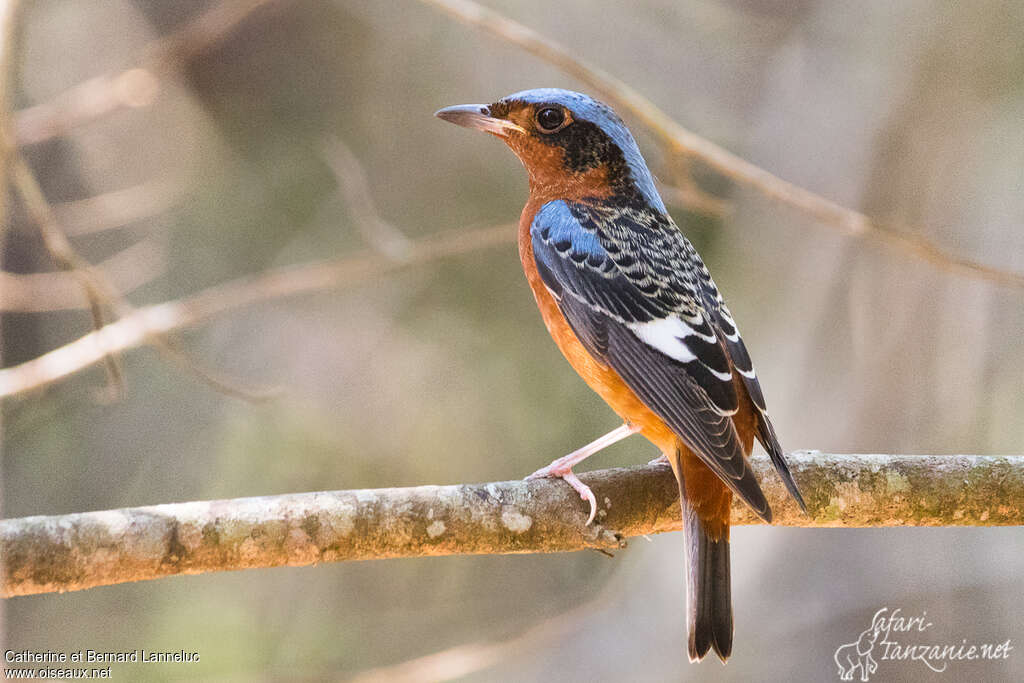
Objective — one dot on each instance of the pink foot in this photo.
(562, 468)
(562, 471)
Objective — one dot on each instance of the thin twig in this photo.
(137, 86)
(694, 199)
(102, 294)
(97, 291)
(134, 329)
(9, 15)
(680, 187)
(683, 142)
(134, 87)
(82, 550)
(127, 270)
(199, 34)
(116, 209)
(85, 102)
(355, 188)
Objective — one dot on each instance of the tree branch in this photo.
(135, 328)
(686, 144)
(354, 188)
(98, 291)
(77, 551)
(127, 270)
(9, 19)
(118, 208)
(134, 87)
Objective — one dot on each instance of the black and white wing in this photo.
(637, 296)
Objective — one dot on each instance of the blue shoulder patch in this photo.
(555, 225)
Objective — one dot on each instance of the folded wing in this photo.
(629, 284)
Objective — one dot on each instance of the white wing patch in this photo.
(668, 336)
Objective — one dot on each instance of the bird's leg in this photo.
(562, 467)
(660, 460)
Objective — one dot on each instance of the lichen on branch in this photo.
(77, 551)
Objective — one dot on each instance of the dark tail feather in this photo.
(766, 435)
(708, 592)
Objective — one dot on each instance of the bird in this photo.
(634, 310)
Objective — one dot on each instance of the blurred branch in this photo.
(77, 551)
(116, 209)
(679, 140)
(101, 292)
(687, 144)
(85, 102)
(134, 87)
(97, 290)
(686, 194)
(127, 270)
(9, 15)
(135, 328)
(355, 188)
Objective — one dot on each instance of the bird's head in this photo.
(573, 146)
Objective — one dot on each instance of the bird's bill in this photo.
(478, 116)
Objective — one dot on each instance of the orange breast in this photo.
(601, 378)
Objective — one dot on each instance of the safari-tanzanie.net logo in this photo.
(895, 637)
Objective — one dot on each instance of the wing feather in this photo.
(654, 332)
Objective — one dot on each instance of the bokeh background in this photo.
(233, 161)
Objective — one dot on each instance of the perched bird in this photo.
(636, 313)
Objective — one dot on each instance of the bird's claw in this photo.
(562, 468)
(572, 480)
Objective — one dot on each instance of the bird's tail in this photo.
(708, 591)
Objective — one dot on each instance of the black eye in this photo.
(549, 119)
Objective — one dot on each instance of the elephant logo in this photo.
(857, 655)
